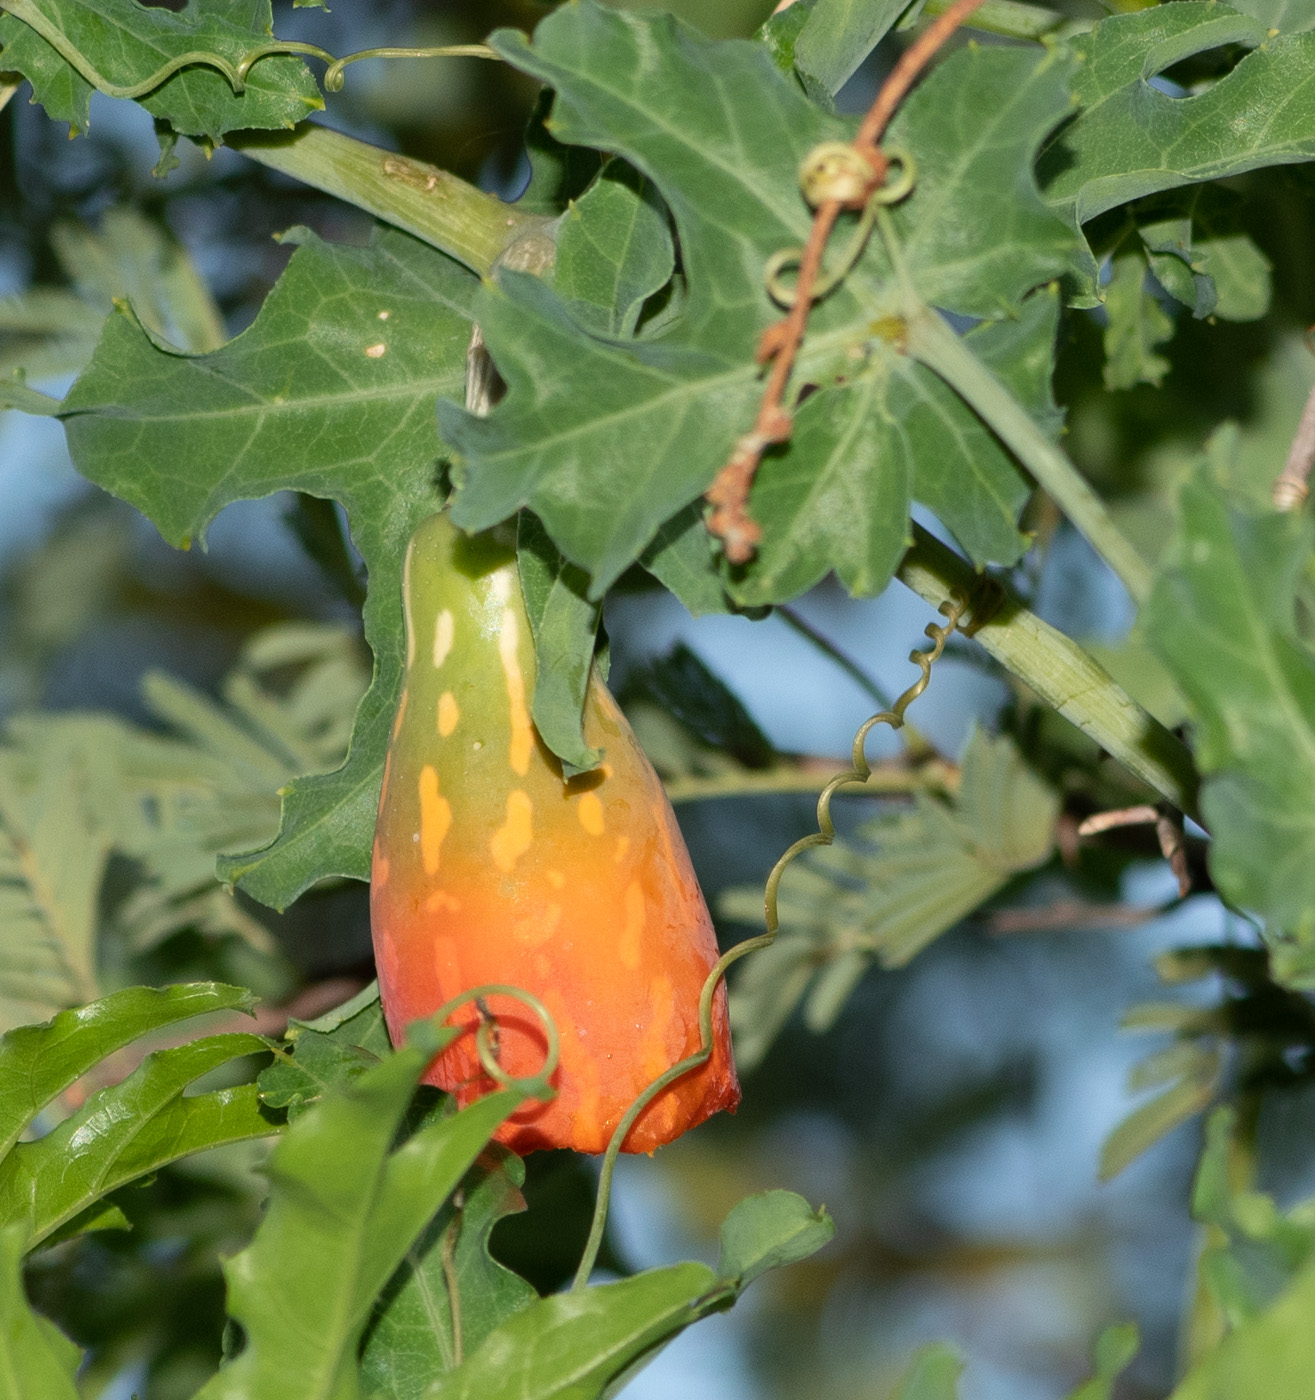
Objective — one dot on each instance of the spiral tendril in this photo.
(836, 171)
(860, 771)
(535, 1086)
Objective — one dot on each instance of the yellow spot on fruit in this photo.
(376, 352)
(622, 849)
(435, 819)
(406, 605)
(444, 631)
(629, 946)
(380, 872)
(521, 746)
(556, 879)
(590, 811)
(512, 839)
(448, 713)
(440, 900)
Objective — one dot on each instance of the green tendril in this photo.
(333, 75)
(860, 772)
(235, 74)
(830, 172)
(536, 1086)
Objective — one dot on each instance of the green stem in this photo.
(1007, 17)
(473, 227)
(935, 344)
(1061, 673)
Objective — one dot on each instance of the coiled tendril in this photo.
(536, 1086)
(837, 171)
(859, 772)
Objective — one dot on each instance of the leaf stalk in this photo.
(1062, 673)
(432, 204)
(931, 341)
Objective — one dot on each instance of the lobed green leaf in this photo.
(1131, 138)
(344, 1208)
(1222, 618)
(127, 1131)
(575, 1345)
(67, 51)
(37, 1063)
(330, 392)
(839, 34)
(614, 251)
(768, 1231)
(411, 1337)
(721, 132)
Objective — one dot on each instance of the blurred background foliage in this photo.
(949, 1107)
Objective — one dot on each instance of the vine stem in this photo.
(856, 186)
(930, 340)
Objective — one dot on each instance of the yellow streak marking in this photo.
(435, 819)
(590, 811)
(522, 730)
(629, 945)
(556, 879)
(586, 1116)
(406, 606)
(439, 900)
(401, 711)
(658, 1058)
(512, 839)
(622, 849)
(445, 630)
(448, 714)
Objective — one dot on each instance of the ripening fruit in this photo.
(489, 868)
